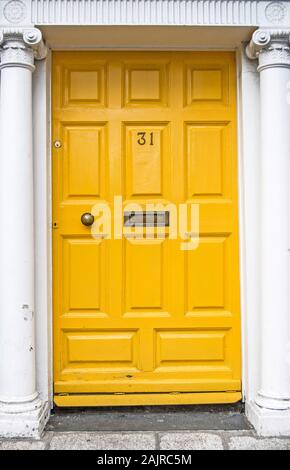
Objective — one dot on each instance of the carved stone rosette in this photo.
(19, 47)
(270, 47)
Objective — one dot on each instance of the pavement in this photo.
(183, 440)
(150, 428)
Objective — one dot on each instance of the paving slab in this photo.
(229, 440)
(255, 443)
(102, 441)
(190, 441)
(14, 444)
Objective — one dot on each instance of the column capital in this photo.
(20, 46)
(271, 47)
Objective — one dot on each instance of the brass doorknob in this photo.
(87, 219)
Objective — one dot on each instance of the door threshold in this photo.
(163, 418)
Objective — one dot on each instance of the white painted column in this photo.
(21, 411)
(270, 412)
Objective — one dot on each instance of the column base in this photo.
(272, 403)
(268, 422)
(28, 423)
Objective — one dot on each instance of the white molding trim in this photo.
(248, 117)
(145, 12)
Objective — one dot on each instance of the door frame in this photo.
(248, 191)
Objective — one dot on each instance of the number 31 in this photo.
(142, 138)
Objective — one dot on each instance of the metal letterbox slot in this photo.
(146, 219)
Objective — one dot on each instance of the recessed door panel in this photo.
(147, 160)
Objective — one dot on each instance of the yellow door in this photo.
(141, 321)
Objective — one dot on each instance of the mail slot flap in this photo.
(146, 219)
